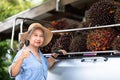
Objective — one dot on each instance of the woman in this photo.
(29, 63)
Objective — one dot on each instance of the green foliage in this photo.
(5, 59)
(11, 7)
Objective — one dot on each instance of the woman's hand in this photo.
(63, 51)
(25, 53)
(55, 55)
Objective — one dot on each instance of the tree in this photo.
(5, 58)
(11, 7)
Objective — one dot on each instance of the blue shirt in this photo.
(32, 68)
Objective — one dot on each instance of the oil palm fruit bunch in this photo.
(100, 39)
(78, 42)
(63, 42)
(116, 43)
(101, 13)
(61, 24)
(117, 18)
(117, 15)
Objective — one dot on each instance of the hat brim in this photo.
(47, 34)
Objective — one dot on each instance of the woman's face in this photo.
(37, 38)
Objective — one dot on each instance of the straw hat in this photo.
(47, 33)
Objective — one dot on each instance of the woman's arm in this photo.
(51, 60)
(17, 65)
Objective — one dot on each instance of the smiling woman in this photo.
(38, 36)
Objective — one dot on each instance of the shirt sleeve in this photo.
(14, 60)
